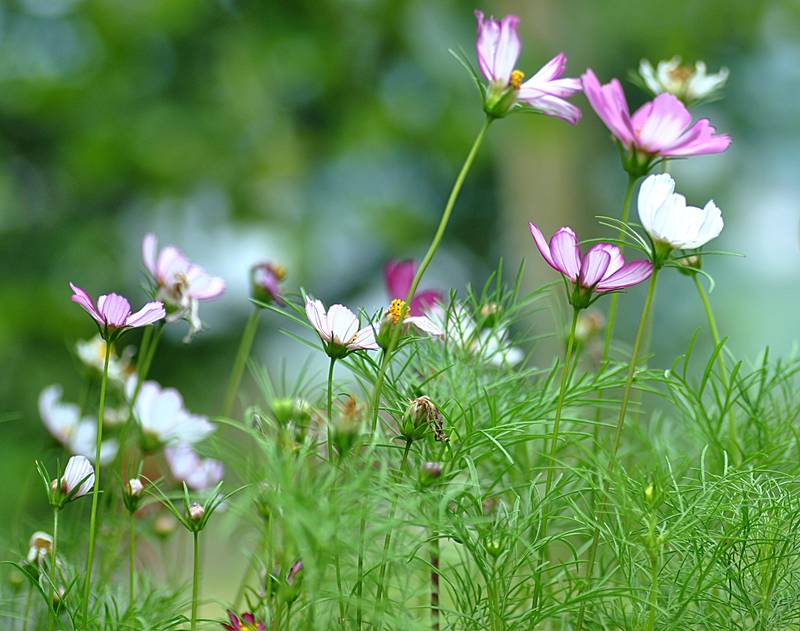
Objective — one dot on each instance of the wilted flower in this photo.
(600, 270)
(398, 276)
(661, 128)
(265, 282)
(498, 48)
(247, 622)
(64, 422)
(76, 480)
(164, 420)
(92, 353)
(113, 312)
(180, 283)
(40, 547)
(422, 416)
(690, 85)
(187, 466)
(339, 329)
(196, 511)
(671, 224)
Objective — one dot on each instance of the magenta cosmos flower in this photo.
(339, 329)
(498, 46)
(179, 283)
(601, 270)
(113, 312)
(399, 275)
(661, 128)
(247, 622)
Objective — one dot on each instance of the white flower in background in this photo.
(668, 220)
(64, 422)
(40, 547)
(187, 466)
(92, 353)
(78, 474)
(493, 344)
(688, 84)
(164, 420)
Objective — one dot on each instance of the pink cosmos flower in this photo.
(498, 47)
(181, 284)
(339, 329)
(659, 128)
(398, 276)
(265, 282)
(113, 312)
(247, 622)
(602, 269)
(187, 466)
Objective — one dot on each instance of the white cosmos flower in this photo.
(40, 547)
(64, 422)
(92, 353)
(164, 420)
(667, 219)
(187, 466)
(78, 474)
(687, 83)
(338, 328)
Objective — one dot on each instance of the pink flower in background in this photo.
(498, 46)
(600, 270)
(339, 329)
(398, 276)
(187, 466)
(180, 283)
(265, 282)
(113, 312)
(659, 128)
(247, 622)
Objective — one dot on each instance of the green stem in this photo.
(28, 603)
(435, 554)
(248, 335)
(330, 409)
(132, 557)
(426, 261)
(552, 457)
(87, 586)
(52, 618)
(362, 529)
(712, 325)
(195, 579)
(651, 288)
(653, 605)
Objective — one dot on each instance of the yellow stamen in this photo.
(516, 79)
(681, 74)
(278, 270)
(398, 310)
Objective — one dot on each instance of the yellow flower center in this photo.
(398, 310)
(681, 74)
(516, 79)
(278, 270)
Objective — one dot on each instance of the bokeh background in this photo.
(325, 134)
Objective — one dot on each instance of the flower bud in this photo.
(196, 511)
(489, 315)
(287, 410)
(134, 487)
(347, 425)
(649, 493)
(422, 415)
(690, 264)
(265, 279)
(494, 546)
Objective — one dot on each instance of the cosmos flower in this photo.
(669, 221)
(179, 283)
(113, 312)
(661, 128)
(40, 547)
(64, 422)
(77, 479)
(600, 270)
(187, 466)
(265, 282)
(690, 85)
(92, 353)
(398, 276)
(498, 47)
(163, 418)
(247, 622)
(339, 329)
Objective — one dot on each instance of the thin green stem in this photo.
(653, 604)
(330, 409)
(362, 529)
(28, 602)
(132, 557)
(426, 261)
(552, 456)
(651, 289)
(435, 554)
(51, 618)
(246, 344)
(723, 370)
(195, 579)
(87, 586)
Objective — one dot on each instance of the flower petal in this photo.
(594, 265)
(426, 325)
(424, 300)
(83, 299)
(151, 312)
(655, 190)
(315, 312)
(498, 47)
(114, 309)
(632, 273)
(364, 340)
(608, 101)
(660, 123)
(150, 252)
(342, 323)
(566, 253)
(542, 245)
(399, 276)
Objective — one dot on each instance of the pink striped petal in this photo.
(150, 252)
(114, 309)
(399, 276)
(151, 312)
(566, 253)
(83, 299)
(632, 273)
(608, 101)
(594, 265)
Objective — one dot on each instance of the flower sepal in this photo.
(499, 101)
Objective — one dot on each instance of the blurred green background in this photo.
(325, 135)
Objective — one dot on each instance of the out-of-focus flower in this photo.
(92, 353)
(164, 525)
(64, 422)
(113, 312)
(398, 276)
(661, 128)
(187, 466)
(690, 85)
(294, 572)
(600, 270)
(40, 547)
(498, 47)
(179, 283)
(347, 424)
(265, 282)
(245, 622)
(430, 471)
(164, 420)
(339, 329)
(77, 479)
(671, 224)
(589, 324)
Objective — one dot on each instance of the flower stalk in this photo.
(246, 344)
(195, 577)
